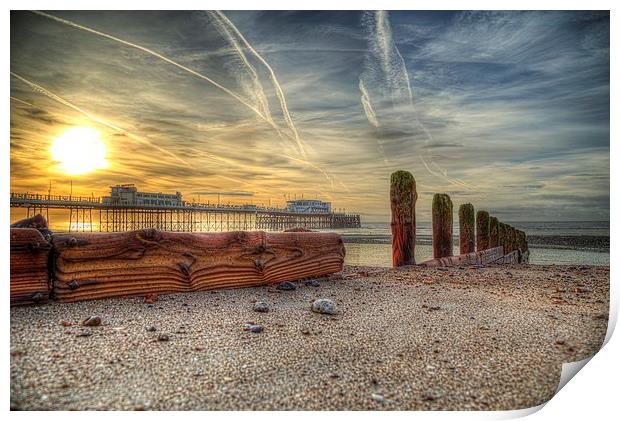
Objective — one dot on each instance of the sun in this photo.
(79, 150)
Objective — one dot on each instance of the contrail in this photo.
(279, 92)
(51, 95)
(164, 58)
(274, 80)
(225, 25)
(386, 67)
(371, 116)
(370, 113)
(258, 91)
(23, 102)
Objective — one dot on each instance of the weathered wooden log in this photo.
(442, 225)
(482, 230)
(467, 229)
(101, 265)
(493, 232)
(403, 196)
(29, 266)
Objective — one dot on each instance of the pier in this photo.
(92, 214)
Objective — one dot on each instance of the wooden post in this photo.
(509, 239)
(493, 232)
(467, 234)
(513, 236)
(403, 195)
(442, 226)
(482, 230)
(503, 239)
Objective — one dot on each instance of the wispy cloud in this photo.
(515, 103)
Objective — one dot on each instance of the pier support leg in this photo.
(403, 196)
(482, 230)
(467, 234)
(442, 226)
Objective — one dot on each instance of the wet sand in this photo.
(407, 339)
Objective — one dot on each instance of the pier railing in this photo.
(92, 214)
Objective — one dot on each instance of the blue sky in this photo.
(506, 110)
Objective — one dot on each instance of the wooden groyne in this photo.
(481, 241)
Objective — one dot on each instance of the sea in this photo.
(558, 242)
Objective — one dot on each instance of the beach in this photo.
(491, 338)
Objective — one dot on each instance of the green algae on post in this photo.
(403, 196)
(467, 234)
(482, 230)
(442, 225)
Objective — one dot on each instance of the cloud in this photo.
(515, 103)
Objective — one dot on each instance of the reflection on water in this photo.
(381, 255)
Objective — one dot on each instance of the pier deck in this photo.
(91, 214)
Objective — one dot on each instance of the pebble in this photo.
(92, 321)
(261, 307)
(324, 306)
(249, 327)
(162, 337)
(378, 398)
(312, 283)
(286, 286)
(432, 395)
(150, 298)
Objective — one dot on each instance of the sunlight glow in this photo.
(79, 150)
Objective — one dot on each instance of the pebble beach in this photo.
(482, 338)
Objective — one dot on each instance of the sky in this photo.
(506, 110)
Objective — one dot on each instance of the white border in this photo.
(593, 394)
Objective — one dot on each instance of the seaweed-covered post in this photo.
(482, 230)
(521, 242)
(515, 239)
(442, 226)
(403, 196)
(502, 237)
(493, 232)
(467, 234)
(507, 238)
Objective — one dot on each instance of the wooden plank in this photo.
(476, 258)
(100, 265)
(29, 266)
